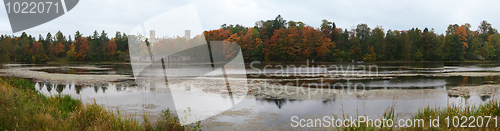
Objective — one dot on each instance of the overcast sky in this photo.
(124, 15)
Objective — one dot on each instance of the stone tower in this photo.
(152, 34)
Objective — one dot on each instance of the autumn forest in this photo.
(280, 40)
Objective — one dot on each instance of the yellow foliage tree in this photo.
(370, 57)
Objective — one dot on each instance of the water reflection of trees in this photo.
(486, 94)
(59, 88)
(279, 102)
(78, 88)
(485, 97)
(470, 81)
(328, 101)
(49, 87)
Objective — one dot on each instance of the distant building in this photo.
(187, 34)
(152, 37)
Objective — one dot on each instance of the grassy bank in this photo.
(24, 108)
(482, 117)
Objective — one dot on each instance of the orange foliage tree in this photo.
(462, 35)
(83, 48)
(111, 47)
(310, 39)
(324, 49)
(249, 43)
(229, 48)
(294, 47)
(58, 49)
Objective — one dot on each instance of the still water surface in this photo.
(129, 97)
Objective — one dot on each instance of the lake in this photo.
(318, 89)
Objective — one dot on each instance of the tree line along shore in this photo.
(274, 40)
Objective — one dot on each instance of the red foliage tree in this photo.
(38, 54)
(275, 48)
(27, 50)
